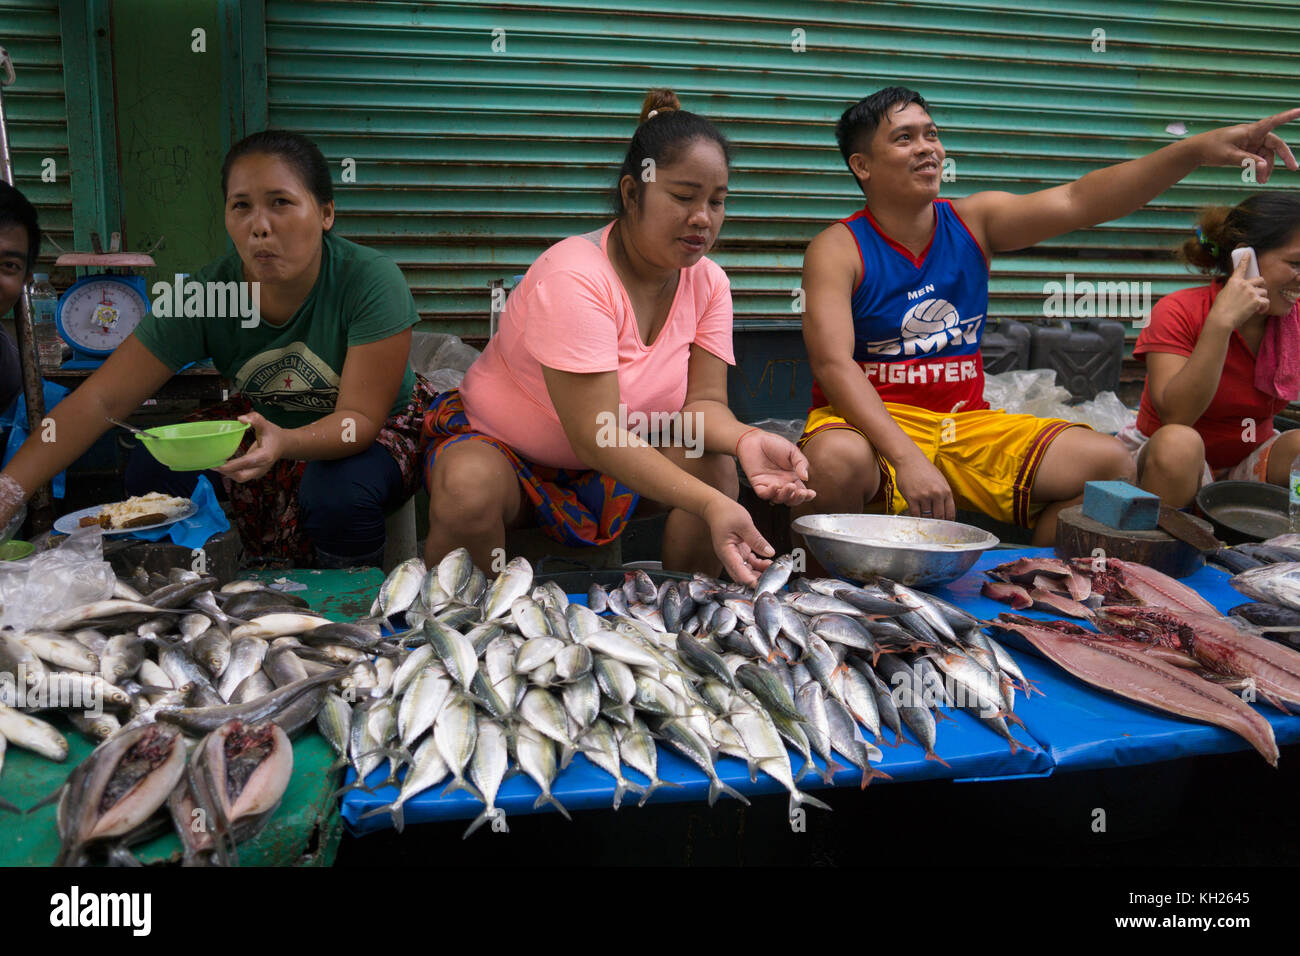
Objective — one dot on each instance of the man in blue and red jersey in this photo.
(896, 297)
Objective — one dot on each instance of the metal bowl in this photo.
(1243, 511)
(911, 551)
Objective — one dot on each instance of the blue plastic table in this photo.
(1070, 726)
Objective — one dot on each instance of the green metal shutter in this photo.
(36, 114)
(469, 162)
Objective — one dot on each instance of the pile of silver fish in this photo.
(502, 672)
(200, 688)
(1158, 642)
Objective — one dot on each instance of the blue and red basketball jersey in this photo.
(917, 322)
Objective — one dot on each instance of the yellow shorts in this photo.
(989, 458)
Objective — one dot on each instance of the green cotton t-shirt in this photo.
(291, 372)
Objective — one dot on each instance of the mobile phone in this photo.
(1252, 270)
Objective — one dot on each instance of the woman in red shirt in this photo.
(1223, 359)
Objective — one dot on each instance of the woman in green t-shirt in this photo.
(320, 371)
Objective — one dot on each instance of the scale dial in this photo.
(97, 313)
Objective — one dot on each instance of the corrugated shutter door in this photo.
(36, 115)
(469, 161)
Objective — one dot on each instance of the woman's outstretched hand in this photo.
(776, 469)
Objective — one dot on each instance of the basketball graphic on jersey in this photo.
(928, 317)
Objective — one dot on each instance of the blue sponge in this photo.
(1118, 504)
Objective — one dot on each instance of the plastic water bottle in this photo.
(1293, 506)
(45, 301)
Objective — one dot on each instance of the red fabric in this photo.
(1277, 369)
(1176, 323)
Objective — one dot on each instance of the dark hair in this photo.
(1263, 221)
(662, 138)
(295, 149)
(858, 124)
(17, 210)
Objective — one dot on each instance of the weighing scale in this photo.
(98, 311)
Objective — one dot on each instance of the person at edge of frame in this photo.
(322, 375)
(1223, 354)
(629, 319)
(20, 244)
(896, 299)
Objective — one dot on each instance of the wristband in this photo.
(736, 453)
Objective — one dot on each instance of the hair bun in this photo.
(657, 101)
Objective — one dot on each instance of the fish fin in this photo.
(870, 773)
(1275, 702)
(623, 786)
(460, 783)
(487, 814)
(392, 809)
(798, 798)
(550, 798)
(717, 788)
(931, 755)
(46, 801)
(655, 785)
(832, 768)
(566, 755)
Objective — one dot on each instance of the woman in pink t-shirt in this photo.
(1223, 359)
(607, 381)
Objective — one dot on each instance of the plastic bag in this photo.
(445, 379)
(1035, 392)
(68, 576)
(433, 351)
(789, 429)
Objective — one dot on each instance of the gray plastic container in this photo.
(1005, 346)
(1086, 356)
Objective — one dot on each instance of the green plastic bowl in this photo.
(15, 550)
(194, 446)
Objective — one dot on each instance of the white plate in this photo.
(70, 522)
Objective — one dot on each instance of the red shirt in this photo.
(1176, 323)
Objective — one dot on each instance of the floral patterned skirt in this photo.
(266, 508)
(576, 507)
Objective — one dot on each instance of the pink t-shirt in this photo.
(572, 313)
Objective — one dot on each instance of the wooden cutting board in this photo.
(1079, 537)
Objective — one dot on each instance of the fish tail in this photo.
(549, 797)
(655, 784)
(931, 755)
(799, 798)
(832, 768)
(394, 810)
(807, 768)
(6, 805)
(717, 788)
(478, 821)
(45, 801)
(1015, 719)
(870, 773)
(460, 783)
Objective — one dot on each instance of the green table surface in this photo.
(306, 828)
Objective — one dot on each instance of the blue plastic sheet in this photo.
(1083, 728)
(208, 519)
(1074, 726)
(14, 418)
